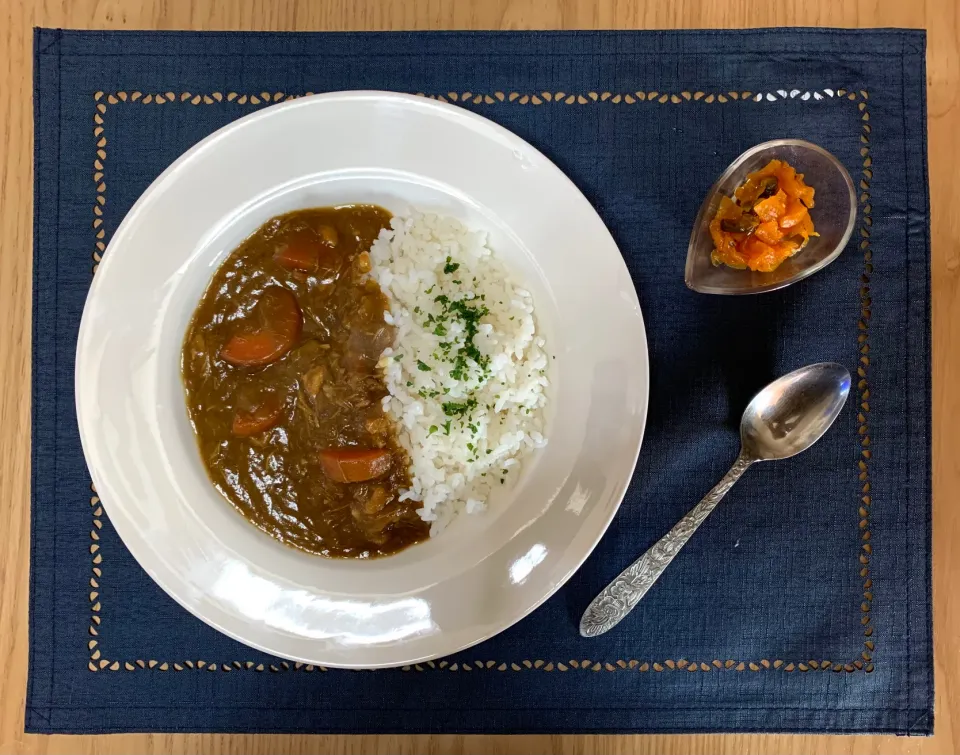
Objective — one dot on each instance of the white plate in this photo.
(485, 572)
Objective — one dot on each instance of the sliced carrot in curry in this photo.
(298, 255)
(308, 253)
(355, 464)
(279, 319)
(259, 419)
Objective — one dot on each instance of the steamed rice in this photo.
(467, 373)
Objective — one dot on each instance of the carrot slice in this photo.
(298, 254)
(355, 464)
(280, 322)
(261, 418)
(309, 252)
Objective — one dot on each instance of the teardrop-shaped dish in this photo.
(834, 216)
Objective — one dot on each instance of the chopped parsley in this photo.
(455, 409)
(451, 267)
(422, 366)
(432, 430)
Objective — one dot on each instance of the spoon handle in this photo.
(618, 598)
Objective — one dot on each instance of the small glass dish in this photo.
(834, 215)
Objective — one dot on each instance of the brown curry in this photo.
(279, 367)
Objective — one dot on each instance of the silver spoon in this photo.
(785, 418)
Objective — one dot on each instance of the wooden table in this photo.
(940, 17)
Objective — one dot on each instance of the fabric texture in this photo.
(802, 604)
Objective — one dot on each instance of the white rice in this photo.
(466, 425)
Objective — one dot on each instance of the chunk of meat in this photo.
(372, 504)
(262, 417)
(355, 464)
(379, 428)
(369, 334)
(362, 263)
(278, 325)
(329, 235)
(373, 518)
(313, 380)
(377, 425)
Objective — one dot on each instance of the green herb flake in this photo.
(451, 267)
(423, 367)
(459, 409)
(432, 430)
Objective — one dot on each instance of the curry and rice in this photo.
(355, 380)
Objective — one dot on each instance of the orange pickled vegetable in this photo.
(771, 208)
(766, 221)
(769, 232)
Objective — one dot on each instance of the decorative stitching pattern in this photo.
(863, 386)
(862, 663)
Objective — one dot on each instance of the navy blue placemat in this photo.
(803, 604)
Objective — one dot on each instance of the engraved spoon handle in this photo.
(618, 598)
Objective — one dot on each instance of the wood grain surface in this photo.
(17, 17)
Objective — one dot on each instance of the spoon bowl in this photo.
(794, 411)
(834, 216)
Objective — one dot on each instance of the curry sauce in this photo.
(279, 366)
